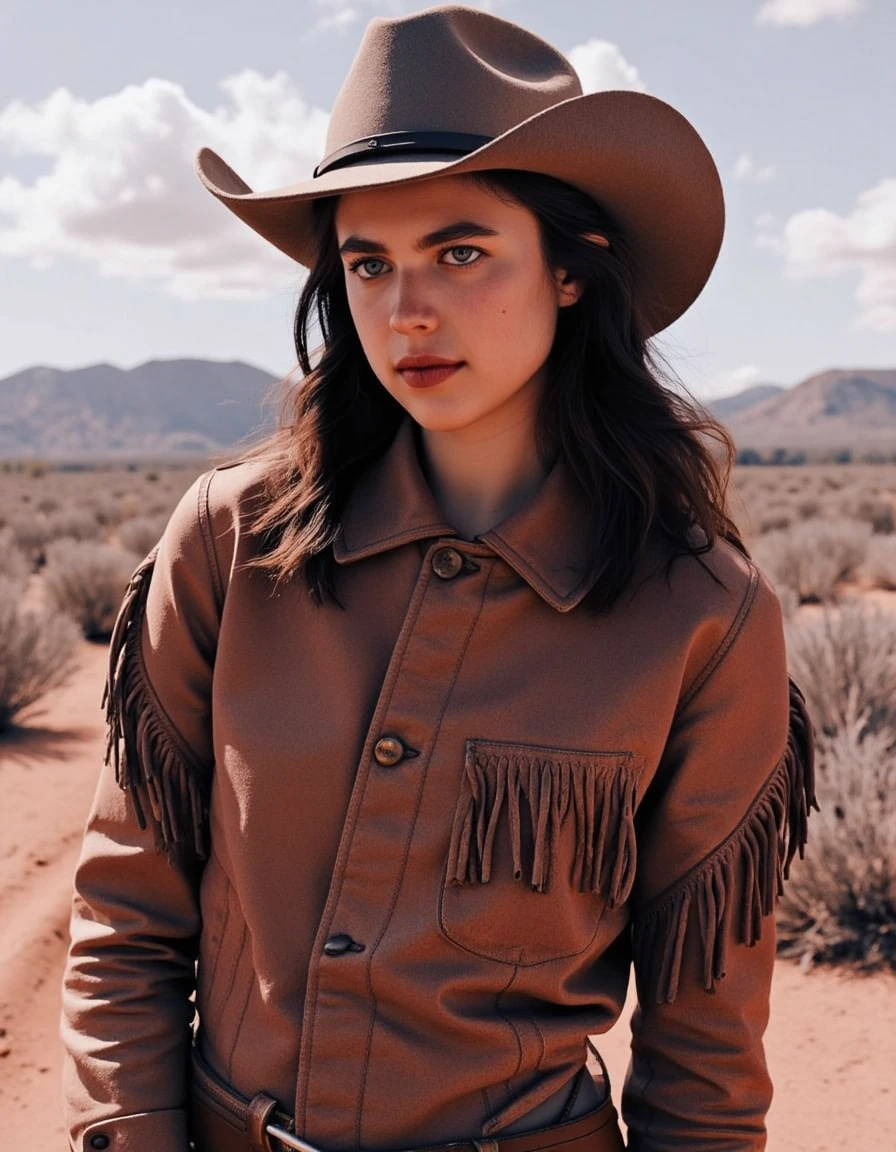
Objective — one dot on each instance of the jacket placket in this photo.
(340, 1005)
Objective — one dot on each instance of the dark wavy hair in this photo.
(641, 452)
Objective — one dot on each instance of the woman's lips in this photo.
(428, 377)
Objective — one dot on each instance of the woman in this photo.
(460, 697)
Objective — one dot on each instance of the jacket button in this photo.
(100, 1140)
(340, 943)
(388, 750)
(447, 563)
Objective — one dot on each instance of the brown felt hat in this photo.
(451, 90)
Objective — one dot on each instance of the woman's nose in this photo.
(412, 310)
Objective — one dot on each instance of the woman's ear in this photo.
(569, 289)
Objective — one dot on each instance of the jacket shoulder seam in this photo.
(726, 643)
(208, 540)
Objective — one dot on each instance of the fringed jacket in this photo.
(418, 841)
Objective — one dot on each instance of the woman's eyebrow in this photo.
(460, 230)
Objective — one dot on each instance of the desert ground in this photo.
(831, 1041)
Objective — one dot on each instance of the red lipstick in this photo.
(425, 371)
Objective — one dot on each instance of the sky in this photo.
(111, 251)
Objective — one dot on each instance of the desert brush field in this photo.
(825, 535)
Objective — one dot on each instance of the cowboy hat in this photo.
(451, 90)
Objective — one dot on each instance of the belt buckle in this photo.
(289, 1139)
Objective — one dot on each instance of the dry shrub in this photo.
(13, 561)
(840, 903)
(839, 906)
(74, 524)
(141, 533)
(31, 534)
(845, 662)
(880, 563)
(808, 508)
(775, 519)
(38, 652)
(870, 507)
(87, 582)
(813, 557)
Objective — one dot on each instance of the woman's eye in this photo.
(365, 264)
(372, 267)
(464, 252)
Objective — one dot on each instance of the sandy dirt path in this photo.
(831, 1042)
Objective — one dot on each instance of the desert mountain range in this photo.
(161, 408)
(198, 407)
(841, 409)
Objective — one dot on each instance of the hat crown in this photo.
(447, 69)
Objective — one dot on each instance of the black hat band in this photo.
(390, 143)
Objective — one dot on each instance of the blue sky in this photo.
(110, 250)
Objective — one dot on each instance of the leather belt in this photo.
(222, 1120)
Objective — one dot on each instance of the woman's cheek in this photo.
(371, 322)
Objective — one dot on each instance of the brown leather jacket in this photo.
(434, 830)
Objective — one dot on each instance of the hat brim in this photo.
(632, 153)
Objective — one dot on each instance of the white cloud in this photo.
(745, 168)
(336, 15)
(122, 195)
(732, 382)
(818, 243)
(803, 13)
(602, 67)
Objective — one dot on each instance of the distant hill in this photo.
(161, 408)
(841, 409)
(727, 406)
(201, 407)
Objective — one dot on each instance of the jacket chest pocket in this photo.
(542, 841)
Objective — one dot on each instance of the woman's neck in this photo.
(480, 476)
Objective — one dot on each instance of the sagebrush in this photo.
(13, 562)
(839, 906)
(38, 652)
(815, 557)
(87, 581)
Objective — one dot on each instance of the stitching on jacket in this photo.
(246, 998)
(516, 1034)
(225, 921)
(541, 1038)
(623, 761)
(670, 894)
(230, 983)
(734, 630)
(408, 535)
(411, 826)
(205, 518)
(309, 1015)
(556, 599)
(508, 1083)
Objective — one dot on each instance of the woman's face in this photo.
(445, 269)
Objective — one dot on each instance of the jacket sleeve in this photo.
(716, 833)
(127, 1012)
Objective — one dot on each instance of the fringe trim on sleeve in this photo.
(765, 843)
(164, 786)
(595, 795)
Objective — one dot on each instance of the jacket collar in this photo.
(545, 542)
